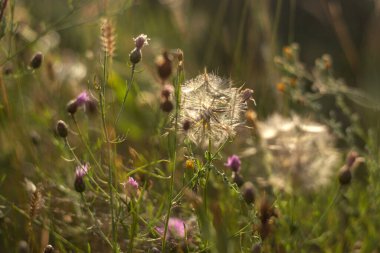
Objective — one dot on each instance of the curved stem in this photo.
(128, 88)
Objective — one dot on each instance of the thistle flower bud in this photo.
(72, 106)
(237, 179)
(164, 65)
(135, 56)
(141, 41)
(248, 192)
(186, 125)
(167, 91)
(345, 175)
(167, 105)
(79, 183)
(49, 249)
(131, 186)
(351, 157)
(62, 129)
(36, 60)
(234, 163)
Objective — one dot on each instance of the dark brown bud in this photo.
(186, 125)
(248, 191)
(49, 249)
(167, 105)
(79, 184)
(167, 91)
(237, 179)
(345, 175)
(72, 106)
(164, 66)
(62, 129)
(135, 56)
(36, 60)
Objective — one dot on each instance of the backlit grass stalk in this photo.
(109, 149)
(173, 150)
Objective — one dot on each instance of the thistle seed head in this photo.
(213, 107)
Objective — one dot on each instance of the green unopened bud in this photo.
(62, 129)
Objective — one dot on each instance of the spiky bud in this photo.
(62, 129)
(36, 60)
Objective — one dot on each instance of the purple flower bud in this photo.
(82, 98)
(234, 163)
(132, 182)
(131, 186)
(176, 228)
(80, 172)
(141, 41)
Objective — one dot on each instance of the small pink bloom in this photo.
(234, 163)
(176, 228)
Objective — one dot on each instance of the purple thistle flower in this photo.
(176, 228)
(234, 163)
(131, 186)
(82, 98)
(141, 41)
(132, 182)
(80, 172)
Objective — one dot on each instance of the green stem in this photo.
(85, 143)
(128, 88)
(105, 131)
(174, 153)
